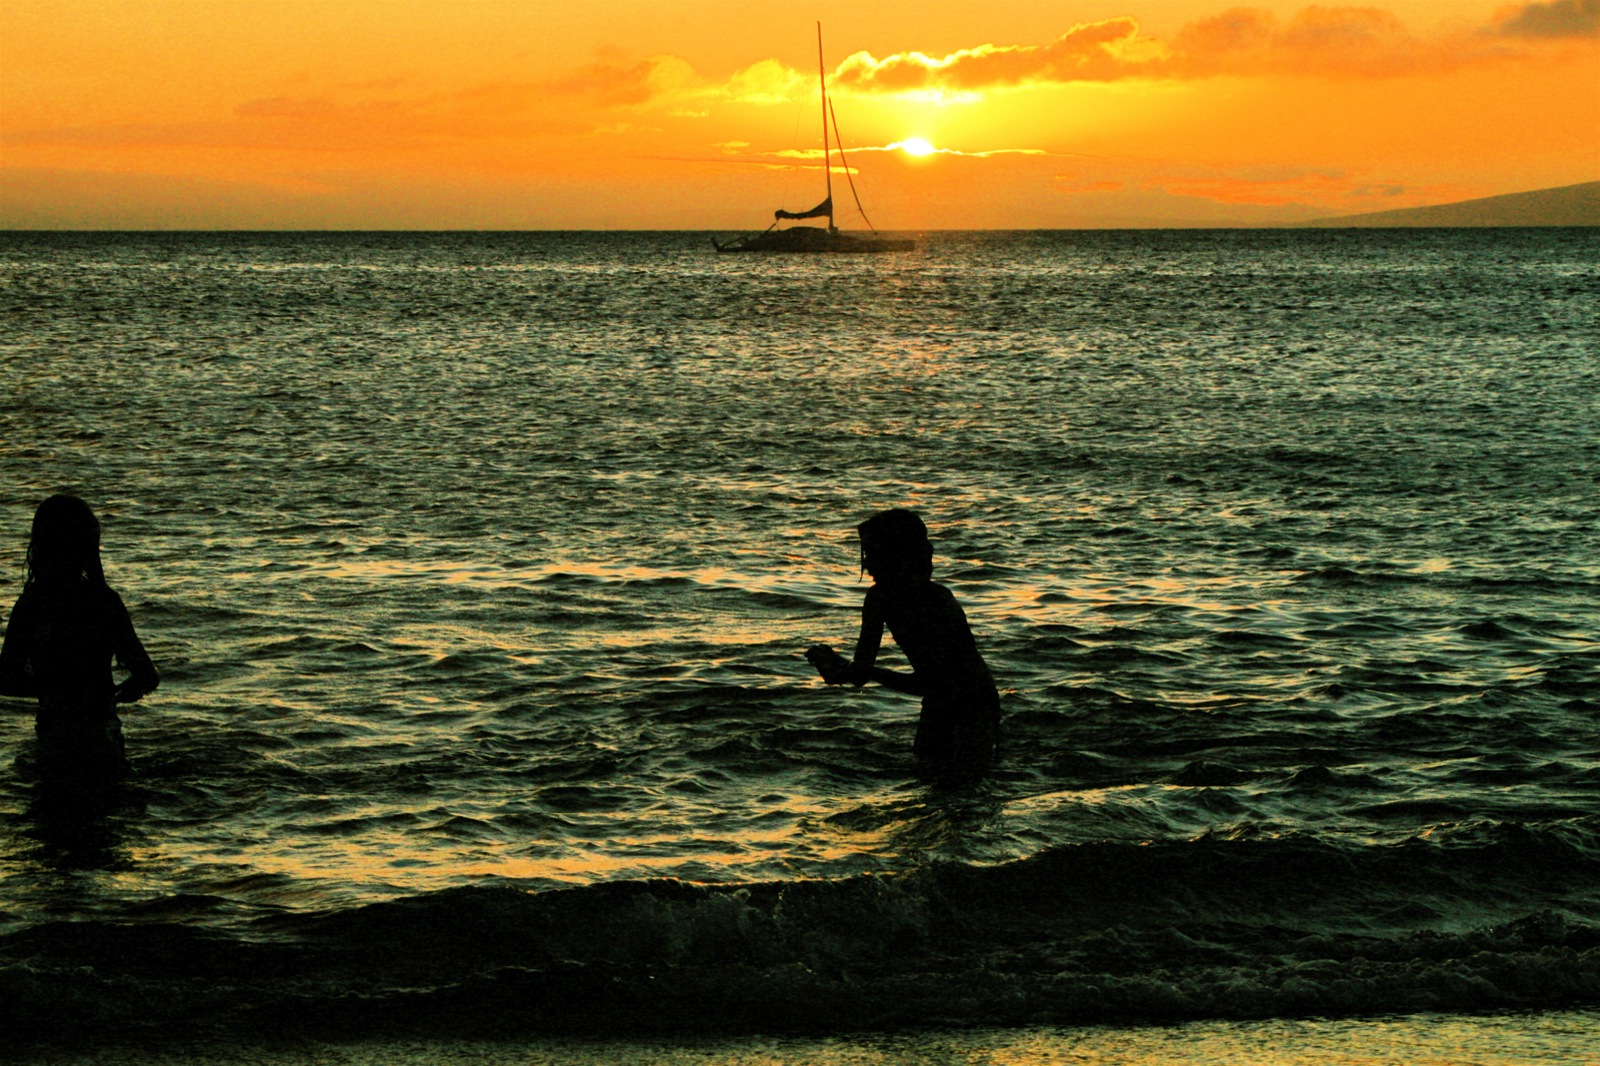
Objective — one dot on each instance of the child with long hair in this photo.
(60, 639)
(960, 722)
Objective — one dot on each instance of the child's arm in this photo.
(863, 666)
(910, 684)
(142, 676)
(834, 668)
(16, 677)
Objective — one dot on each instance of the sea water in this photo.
(479, 569)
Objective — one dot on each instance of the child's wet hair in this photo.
(896, 541)
(65, 541)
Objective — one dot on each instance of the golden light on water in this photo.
(394, 857)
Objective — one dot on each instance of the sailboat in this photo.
(816, 239)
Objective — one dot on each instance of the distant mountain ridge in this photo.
(1569, 205)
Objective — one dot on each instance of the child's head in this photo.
(894, 545)
(65, 543)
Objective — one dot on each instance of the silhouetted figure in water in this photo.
(960, 723)
(60, 638)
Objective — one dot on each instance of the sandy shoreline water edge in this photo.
(1565, 1037)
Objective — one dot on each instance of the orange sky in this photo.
(669, 114)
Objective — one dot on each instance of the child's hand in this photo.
(834, 668)
(127, 692)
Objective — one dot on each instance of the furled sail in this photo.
(825, 208)
(815, 239)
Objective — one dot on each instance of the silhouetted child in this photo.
(60, 639)
(960, 722)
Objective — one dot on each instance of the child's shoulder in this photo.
(19, 609)
(70, 597)
(907, 592)
(111, 598)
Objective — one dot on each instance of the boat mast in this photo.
(827, 158)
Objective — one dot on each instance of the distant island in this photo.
(1570, 205)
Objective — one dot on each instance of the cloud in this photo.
(611, 93)
(1073, 184)
(1359, 41)
(618, 85)
(766, 82)
(1551, 19)
(1308, 187)
(338, 121)
(1099, 51)
(671, 82)
(742, 149)
(1321, 41)
(482, 111)
(1318, 40)
(1278, 187)
(901, 146)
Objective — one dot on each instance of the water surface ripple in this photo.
(479, 566)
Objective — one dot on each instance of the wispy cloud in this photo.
(1075, 184)
(613, 83)
(1243, 41)
(1551, 19)
(340, 119)
(1304, 187)
(620, 94)
(742, 149)
(766, 82)
(1099, 51)
(421, 119)
(912, 148)
(1315, 41)
(1330, 187)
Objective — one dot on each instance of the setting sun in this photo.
(917, 146)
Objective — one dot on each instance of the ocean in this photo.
(479, 569)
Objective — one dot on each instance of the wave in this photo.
(523, 593)
(1505, 918)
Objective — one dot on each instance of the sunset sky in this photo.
(703, 114)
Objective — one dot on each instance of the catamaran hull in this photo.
(808, 240)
